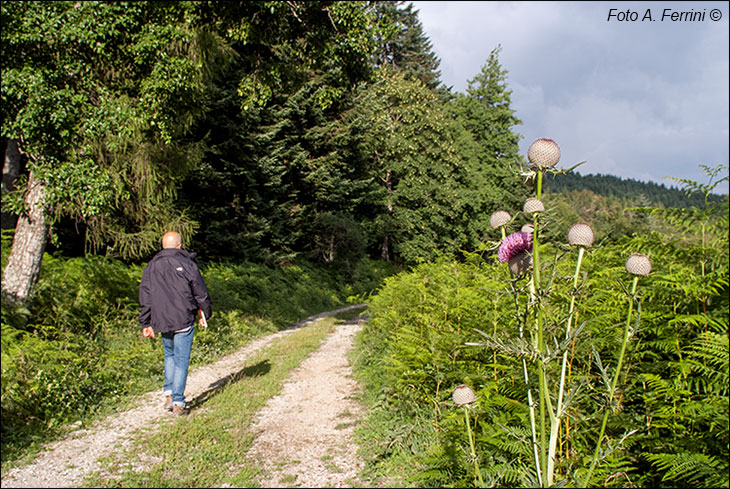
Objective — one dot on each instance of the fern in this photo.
(711, 358)
(694, 469)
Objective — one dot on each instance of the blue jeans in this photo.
(177, 358)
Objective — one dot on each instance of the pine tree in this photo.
(275, 163)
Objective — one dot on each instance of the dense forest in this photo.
(627, 188)
(263, 131)
(308, 150)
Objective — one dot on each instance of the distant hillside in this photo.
(609, 185)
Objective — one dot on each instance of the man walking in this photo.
(170, 294)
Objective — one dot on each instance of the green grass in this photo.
(207, 448)
(288, 479)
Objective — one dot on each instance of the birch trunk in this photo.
(24, 263)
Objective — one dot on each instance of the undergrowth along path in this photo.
(66, 462)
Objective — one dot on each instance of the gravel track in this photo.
(303, 435)
(66, 462)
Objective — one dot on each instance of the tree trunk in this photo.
(11, 170)
(385, 245)
(24, 262)
(384, 249)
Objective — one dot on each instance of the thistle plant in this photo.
(463, 396)
(500, 219)
(580, 235)
(515, 251)
(522, 252)
(637, 265)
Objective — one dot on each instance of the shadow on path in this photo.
(261, 368)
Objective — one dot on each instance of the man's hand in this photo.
(148, 332)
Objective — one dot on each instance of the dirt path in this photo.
(303, 435)
(66, 462)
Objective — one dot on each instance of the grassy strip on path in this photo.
(207, 448)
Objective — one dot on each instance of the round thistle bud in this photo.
(499, 219)
(520, 263)
(544, 153)
(533, 205)
(580, 234)
(463, 395)
(528, 228)
(638, 264)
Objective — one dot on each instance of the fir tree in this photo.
(403, 45)
(489, 150)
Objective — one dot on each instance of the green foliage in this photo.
(403, 45)
(272, 131)
(672, 391)
(694, 469)
(273, 170)
(611, 218)
(387, 157)
(488, 149)
(61, 359)
(99, 96)
(403, 135)
(413, 354)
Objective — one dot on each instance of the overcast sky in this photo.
(642, 99)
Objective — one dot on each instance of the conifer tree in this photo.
(403, 45)
(274, 164)
(488, 146)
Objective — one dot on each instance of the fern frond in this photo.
(693, 468)
(710, 356)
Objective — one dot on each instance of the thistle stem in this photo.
(540, 341)
(613, 383)
(559, 411)
(538, 464)
(568, 329)
(494, 353)
(477, 473)
(504, 235)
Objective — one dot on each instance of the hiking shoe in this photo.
(168, 403)
(178, 411)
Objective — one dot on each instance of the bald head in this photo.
(171, 239)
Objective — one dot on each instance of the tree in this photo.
(402, 45)
(404, 139)
(102, 98)
(98, 97)
(11, 171)
(488, 147)
(275, 160)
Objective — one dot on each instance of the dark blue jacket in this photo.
(171, 292)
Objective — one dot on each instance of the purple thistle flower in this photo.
(513, 244)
